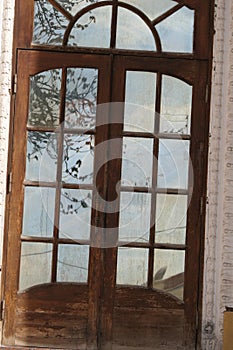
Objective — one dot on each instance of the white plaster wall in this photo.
(218, 277)
(6, 32)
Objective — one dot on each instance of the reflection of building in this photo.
(218, 255)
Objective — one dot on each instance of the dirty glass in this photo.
(132, 32)
(44, 98)
(35, 264)
(49, 24)
(173, 164)
(78, 158)
(93, 29)
(140, 95)
(74, 6)
(176, 105)
(170, 219)
(72, 263)
(38, 214)
(75, 214)
(137, 162)
(132, 266)
(81, 98)
(134, 224)
(169, 271)
(41, 160)
(176, 31)
(152, 8)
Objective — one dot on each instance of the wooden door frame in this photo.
(203, 52)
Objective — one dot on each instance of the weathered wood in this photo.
(148, 328)
(52, 315)
(149, 298)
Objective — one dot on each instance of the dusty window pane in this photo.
(173, 164)
(49, 24)
(134, 222)
(81, 98)
(169, 271)
(44, 98)
(78, 157)
(74, 6)
(170, 222)
(72, 263)
(137, 160)
(38, 215)
(35, 265)
(176, 31)
(132, 32)
(176, 106)
(140, 95)
(152, 8)
(75, 214)
(132, 266)
(41, 161)
(93, 29)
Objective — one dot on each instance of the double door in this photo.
(104, 227)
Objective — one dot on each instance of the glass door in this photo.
(104, 240)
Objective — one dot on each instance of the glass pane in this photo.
(93, 29)
(38, 215)
(132, 32)
(72, 263)
(81, 98)
(49, 24)
(132, 266)
(152, 8)
(173, 164)
(44, 98)
(137, 160)
(176, 31)
(75, 214)
(134, 222)
(74, 6)
(176, 106)
(140, 89)
(78, 158)
(41, 162)
(171, 213)
(169, 271)
(35, 265)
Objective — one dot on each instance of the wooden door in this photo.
(104, 238)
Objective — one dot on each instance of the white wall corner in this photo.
(6, 32)
(218, 270)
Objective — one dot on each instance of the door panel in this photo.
(52, 181)
(67, 286)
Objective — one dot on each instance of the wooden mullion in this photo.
(168, 246)
(166, 14)
(96, 259)
(154, 179)
(61, 9)
(114, 24)
(59, 177)
(172, 191)
(136, 189)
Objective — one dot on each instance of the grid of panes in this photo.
(131, 24)
(58, 184)
(156, 182)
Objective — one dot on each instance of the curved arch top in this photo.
(117, 24)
